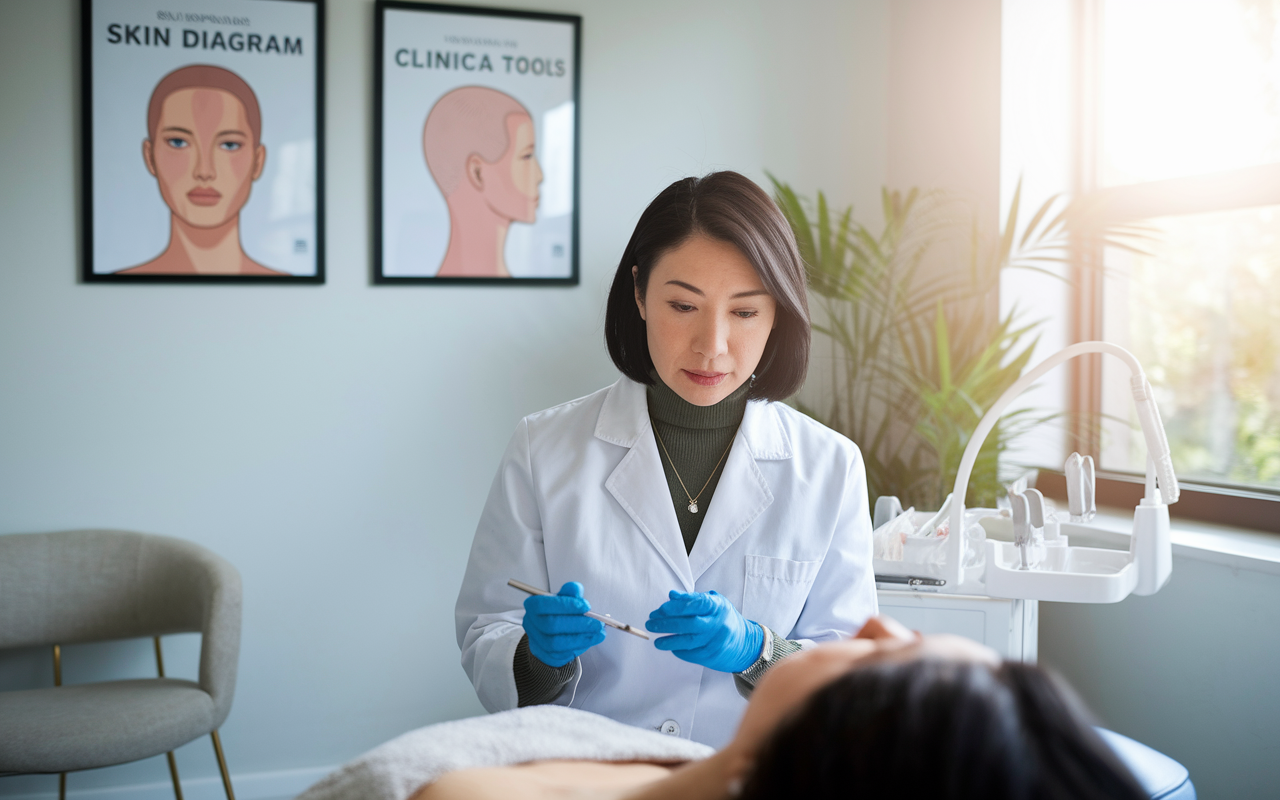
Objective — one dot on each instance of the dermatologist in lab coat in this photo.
(709, 301)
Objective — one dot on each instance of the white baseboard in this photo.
(279, 785)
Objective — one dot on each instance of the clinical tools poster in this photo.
(203, 140)
(477, 139)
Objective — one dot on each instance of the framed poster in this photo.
(203, 141)
(476, 145)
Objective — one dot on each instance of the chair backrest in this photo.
(93, 585)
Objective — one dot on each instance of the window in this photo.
(1174, 109)
(1202, 313)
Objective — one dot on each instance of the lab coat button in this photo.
(670, 728)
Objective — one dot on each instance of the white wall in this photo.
(322, 438)
(944, 99)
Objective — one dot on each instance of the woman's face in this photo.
(707, 318)
(511, 185)
(881, 640)
(203, 156)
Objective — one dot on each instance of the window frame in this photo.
(1244, 506)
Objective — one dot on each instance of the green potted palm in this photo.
(918, 349)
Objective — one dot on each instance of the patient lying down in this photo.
(888, 713)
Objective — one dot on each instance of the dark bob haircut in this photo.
(944, 730)
(730, 208)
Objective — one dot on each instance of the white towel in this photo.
(397, 769)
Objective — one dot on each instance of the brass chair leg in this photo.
(159, 658)
(173, 773)
(173, 764)
(57, 681)
(222, 765)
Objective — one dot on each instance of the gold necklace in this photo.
(693, 501)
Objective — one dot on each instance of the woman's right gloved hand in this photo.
(557, 627)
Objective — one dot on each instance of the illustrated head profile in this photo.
(204, 147)
(479, 147)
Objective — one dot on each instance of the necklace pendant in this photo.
(693, 508)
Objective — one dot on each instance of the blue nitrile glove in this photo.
(558, 632)
(706, 630)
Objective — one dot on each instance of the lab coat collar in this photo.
(639, 483)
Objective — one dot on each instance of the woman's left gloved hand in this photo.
(707, 630)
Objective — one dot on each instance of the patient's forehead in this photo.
(942, 646)
(826, 662)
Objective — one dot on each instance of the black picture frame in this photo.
(175, 38)
(386, 269)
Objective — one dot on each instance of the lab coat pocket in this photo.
(775, 590)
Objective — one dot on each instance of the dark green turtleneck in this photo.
(693, 442)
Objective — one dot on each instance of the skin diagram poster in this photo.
(203, 141)
(476, 136)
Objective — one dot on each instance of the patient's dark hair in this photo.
(942, 730)
(730, 208)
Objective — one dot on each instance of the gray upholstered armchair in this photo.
(93, 585)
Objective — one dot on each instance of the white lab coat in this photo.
(581, 496)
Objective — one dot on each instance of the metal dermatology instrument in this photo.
(605, 618)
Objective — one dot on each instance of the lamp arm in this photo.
(1159, 459)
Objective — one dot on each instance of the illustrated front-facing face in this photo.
(707, 318)
(203, 156)
(510, 186)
